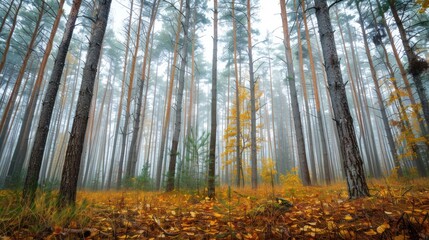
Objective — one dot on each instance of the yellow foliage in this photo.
(291, 178)
(268, 170)
(424, 4)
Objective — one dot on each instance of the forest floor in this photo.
(396, 210)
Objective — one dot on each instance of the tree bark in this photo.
(353, 164)
(68, 187)
(179, 102)
(212, 153)
(166, 121)
(48, 107)
(7, 112)
(18, 157)
(9, 37)
(128, 107)
(253, 148)
(389, 135)
(239, 167)
(302, 158)
(417, 66)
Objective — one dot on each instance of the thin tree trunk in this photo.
(212, 154)
(132, 160)
(6, 14)
(253, 150)
(128, 107)
(20, 151)
(48, 106)
(179, 102)
(387, 129)
(418, 67)
(166, 121)
(302, 158)
(306, 107)
(7, 112)
(239, 164)
(353, 164)
(9, 37)
(68, 187)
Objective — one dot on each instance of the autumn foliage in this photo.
(395, 211)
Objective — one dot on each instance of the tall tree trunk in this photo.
(302, 158)
(306, 106)
(6, 15)
(212, 153)
(179, 102)
(119, 116)
(128, 107)
(166, 121)
(68, 187)
(132, 160)
(9, 37)
(48, 106)
(7, 112)
(353, 164)
(417, 66)
(253, 148)
(387, 129)
(238, 150)
(18, 157)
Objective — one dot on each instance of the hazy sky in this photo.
(268, 13)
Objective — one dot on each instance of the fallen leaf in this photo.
(371, 232)
(348, 217)
(383, 228)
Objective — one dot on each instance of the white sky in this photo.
(268, 14)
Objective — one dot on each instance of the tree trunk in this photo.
(9, 37)
(387, 129)
(239, 166)
(253, 150)
(353, 164)
(128, 107)
(305, 175)
(212, 154)
(417, 66)
(119, 116)
(67, 194)
(166, 121)
(7, 112)
(306, 107)
(48, 106)
(6, 14)
(179, 102)
(132, 160)
(18, 157)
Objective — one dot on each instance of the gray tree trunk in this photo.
(68, 187)
(302, 158)
(48, 107)
(179, 102)
(353, 164)
(212, 153)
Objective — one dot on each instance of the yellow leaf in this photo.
(217, 215)
(371, 233)
(173, 212)
(193, 214)
(383, 228)
(388, 213)
(331, 225)
(312, 223)
(348, 217)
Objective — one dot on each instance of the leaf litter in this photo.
(394, 211)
